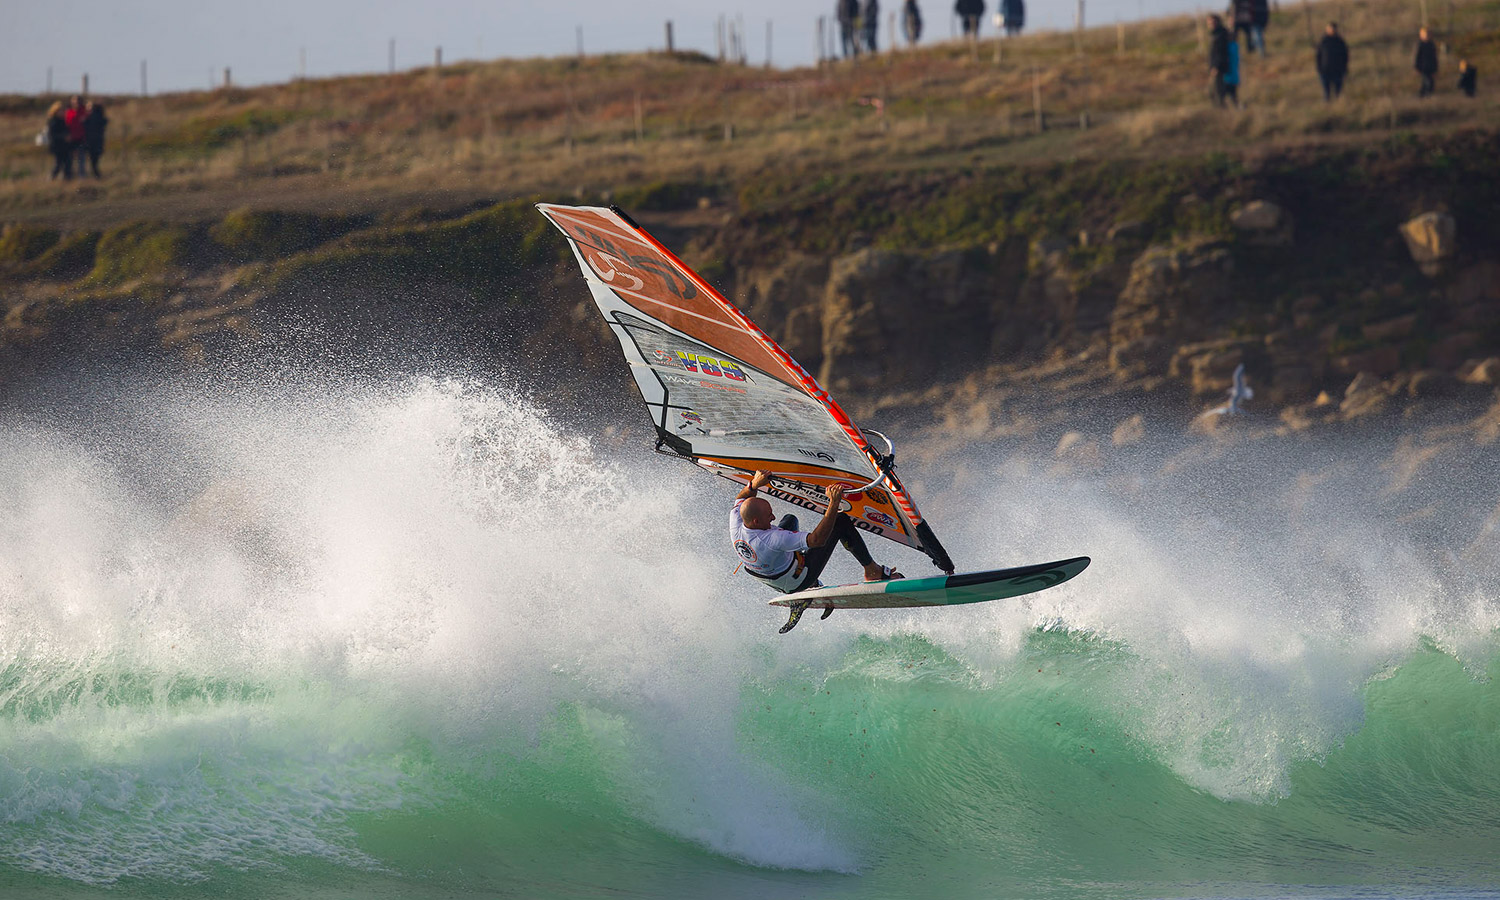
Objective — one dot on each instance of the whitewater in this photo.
(426, 637)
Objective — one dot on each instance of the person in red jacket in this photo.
(76, 119)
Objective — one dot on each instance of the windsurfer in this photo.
(791, 560)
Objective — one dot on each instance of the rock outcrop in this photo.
(1173, 294)
(1263, 222)
(1432, 240)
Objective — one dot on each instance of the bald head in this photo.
(756, 514)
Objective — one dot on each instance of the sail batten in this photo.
(720, 392)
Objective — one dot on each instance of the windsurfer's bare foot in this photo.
(877, 572)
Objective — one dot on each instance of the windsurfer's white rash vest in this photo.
(767, 552)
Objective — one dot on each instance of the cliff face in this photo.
(946, 297)
(1154, 280)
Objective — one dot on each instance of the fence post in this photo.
(228, 82)
(1078, 29)
(390, 57)
(437, 60)
(143, 78)
(1036, 98)
(768, 43)
(580, 41)
(822, 46)
(669, 36)
(85, 84)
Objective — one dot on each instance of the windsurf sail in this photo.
(724, 395)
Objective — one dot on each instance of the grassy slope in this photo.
(515, 128)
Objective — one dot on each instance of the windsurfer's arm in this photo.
(824, 532)
(757, 481)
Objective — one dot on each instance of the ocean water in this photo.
(422, 640)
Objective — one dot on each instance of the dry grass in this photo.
(562, 126)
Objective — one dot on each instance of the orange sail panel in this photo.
(719, 391)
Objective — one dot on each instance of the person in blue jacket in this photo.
(1232, 75)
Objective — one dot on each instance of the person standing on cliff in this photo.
(58, 144)
(1013, 16)
(869, 24)
(1426, 63)
(971, 13)
(789, 560)
(1260, 17)
(1241, 19)
(911, 22)
(77, 132)
(1219, 42)
(847, 11)
(94, 124)
(1333, 62)
(1468, 78)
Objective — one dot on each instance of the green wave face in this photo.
(419, 644)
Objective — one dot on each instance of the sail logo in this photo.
(818, 455)
(703, 365)
(608, 259)
(875, 515)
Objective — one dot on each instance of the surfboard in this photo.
(943, 590)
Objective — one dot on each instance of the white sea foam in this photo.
(437, 557)
(326, 573)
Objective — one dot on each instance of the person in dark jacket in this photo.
(847, 12)
(1218, 57)
(1260, 17)
(1333, 61)
(911, 22)
(93, 134)
(1241, 21)
(1426, 63)
(1468, 78)
(58, 143)
(971, 12)
(869, 23)
(1013, 16)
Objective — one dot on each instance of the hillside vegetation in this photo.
(902, 225)
(605, 123)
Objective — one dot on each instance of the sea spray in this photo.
(426, 636)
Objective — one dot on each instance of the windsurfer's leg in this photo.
(816, 558)
(850, 537)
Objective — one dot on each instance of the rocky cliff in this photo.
(990, 302)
